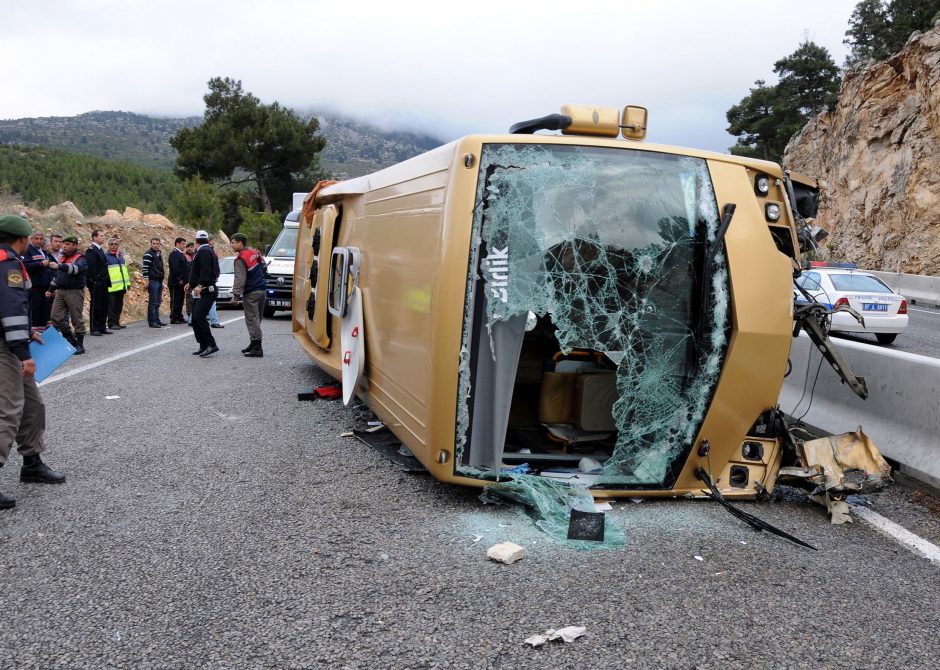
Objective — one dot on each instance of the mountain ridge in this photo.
(354, 148)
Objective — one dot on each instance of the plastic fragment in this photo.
(111, 397)
(698, 558)
(506, 552)
(566, 634)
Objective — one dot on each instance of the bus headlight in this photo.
(772, 212)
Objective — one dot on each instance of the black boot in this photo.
(79, 344)
(35, 471)
(255, 350)
(6, 502)
(251, 345)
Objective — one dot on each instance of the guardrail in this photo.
(901, 415)
(916, 288)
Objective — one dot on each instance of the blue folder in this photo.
(49, 356)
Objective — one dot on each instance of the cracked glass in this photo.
(609, 244)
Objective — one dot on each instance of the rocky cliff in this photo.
(878, 150)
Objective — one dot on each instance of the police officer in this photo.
(249, 289)
(22, 413)
(68, 287)
(202, 279)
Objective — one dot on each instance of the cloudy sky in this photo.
(448, 68)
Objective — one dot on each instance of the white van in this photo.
(280, 256)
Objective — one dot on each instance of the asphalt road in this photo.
(921, 337)
(210, 520)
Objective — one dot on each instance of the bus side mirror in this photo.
(633, 122)
(267, 249)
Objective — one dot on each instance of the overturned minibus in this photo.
(600, 311)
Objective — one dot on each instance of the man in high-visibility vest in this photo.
(120, 282)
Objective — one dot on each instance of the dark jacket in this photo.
(14, 303)
(40, 274)
(152, 266)
(179, 267)
(97, 267)
(205, 270)
(71, 273)
(249, 273)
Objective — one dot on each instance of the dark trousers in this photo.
(98, 310)
(201, 329)
(40, 307)
(177, 298)
(154, 298)
(115, 307)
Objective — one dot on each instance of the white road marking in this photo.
(123, 354)
(923, 311)
(902, 535)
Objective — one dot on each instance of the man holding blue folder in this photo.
(22, 412)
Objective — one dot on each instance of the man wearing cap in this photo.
(22, 413)
(202, 279)
(249, 289)
(68, 287)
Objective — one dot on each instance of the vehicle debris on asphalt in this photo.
(506, 552)
(566, 634)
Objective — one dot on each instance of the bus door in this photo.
(323, 237)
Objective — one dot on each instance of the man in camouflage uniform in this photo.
(22, 412)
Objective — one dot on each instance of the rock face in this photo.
(878, 150)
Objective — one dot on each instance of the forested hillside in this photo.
(353, 148)
(46, 177)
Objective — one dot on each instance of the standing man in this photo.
(55, 245)
(40, 267)
(188, 253)
(152, 268)
(214, 312)
(250, 283)
(202, 279)
(120, 282)
(178, 277)
(22, 413)
(98, 284)
(68, 286)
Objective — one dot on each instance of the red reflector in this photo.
(903, 308)
(841, 301)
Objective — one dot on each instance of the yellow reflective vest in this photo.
(117, 271)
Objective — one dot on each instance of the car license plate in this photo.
(874, 307)
(223, 295)
(279, 303)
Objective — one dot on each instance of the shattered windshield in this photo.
(609, 244)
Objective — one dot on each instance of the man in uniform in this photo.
(98, 283)
(249, 289)
(22, 413)
(120, 282)
(68, 286)
(202, 279)
(178, 276)
(40, 267)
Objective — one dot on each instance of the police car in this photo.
(884, 311)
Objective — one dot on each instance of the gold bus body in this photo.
(412, 223)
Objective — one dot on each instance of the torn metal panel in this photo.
(836, 466)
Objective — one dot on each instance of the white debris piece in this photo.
(506, 552)
(567, 634)
(477, 538)
(112, 397)
(588, 465)
(698, 558)
(602, 507)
